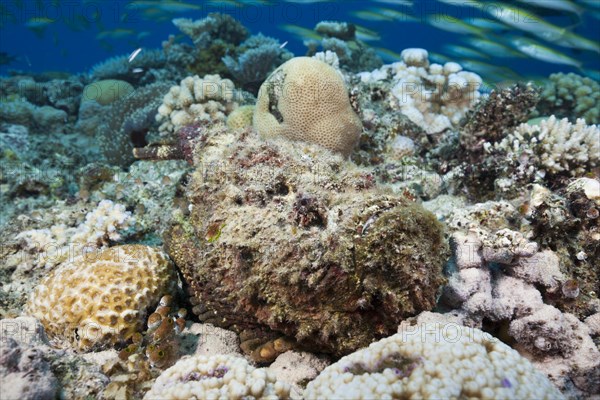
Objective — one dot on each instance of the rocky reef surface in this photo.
(235, 222)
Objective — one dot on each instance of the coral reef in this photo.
(433, 361)
(257, 57)
(106, 91)
(214, 37)
(24, 374)
(127, 122)
(571, 96)
(496, 116)
(102, 227)
(554, 147)
(306, 99)
(213, 377)
(434, 97)
(39, 119)
(195, 100)
(100, 298)
(319, 255)
(340, 38)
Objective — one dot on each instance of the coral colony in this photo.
(221, 219)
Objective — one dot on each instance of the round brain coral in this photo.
(99, 299)
(217, 377)
(305, 99)
(433, 361)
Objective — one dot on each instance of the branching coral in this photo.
(208, 99)
(571, 96)
(434, 97)
(554, 147)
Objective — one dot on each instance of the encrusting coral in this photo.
(433, 361)
(305, 99)
(101, 298)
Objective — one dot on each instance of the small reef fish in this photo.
(367, 15)
(118, 33)
(462, 51)
(559, 5)
(487, 24)
(388, 55)
(134, 54)
(543, 53)
(525, 21)
(405, 3)
(395, 15)
(493, 48)
(366, 35)
(450, 24)
(300, 32)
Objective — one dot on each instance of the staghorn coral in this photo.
(214, 377)
(100, 299)
(306, 99)
(554, 147)
(127, 122)
(571, 96)
(433, 360)
(196, 100)
(434, 97)
(257, 57)
(288, 237)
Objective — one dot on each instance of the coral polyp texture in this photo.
(217, 377)
(195, 100)
(307, 100)
(100, 299)
(322, 255)
(433, 361)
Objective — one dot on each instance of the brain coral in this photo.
(99, 299)
(306, 99)
(433, 361)
(217, 377)
(289, 237)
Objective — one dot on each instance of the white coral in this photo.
(197, 99)
(103, 225)
(556, 145)
(435, 97)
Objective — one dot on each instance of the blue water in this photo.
(69, 40)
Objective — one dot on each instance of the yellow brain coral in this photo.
(306, 99)
(99, 299)
(433, 361)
